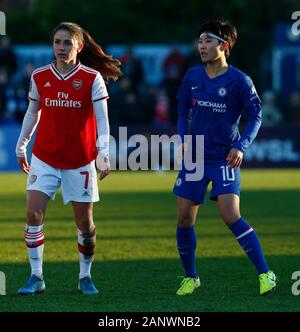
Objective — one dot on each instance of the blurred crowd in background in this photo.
(133, 101)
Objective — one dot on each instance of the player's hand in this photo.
(180, 153)
(22, 161)
(103, 166)
(234, 158)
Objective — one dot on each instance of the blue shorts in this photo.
(225, 180)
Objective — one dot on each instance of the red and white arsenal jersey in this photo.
(66, 134)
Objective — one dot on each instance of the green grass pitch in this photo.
(136, 266)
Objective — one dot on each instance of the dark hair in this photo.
(92, 54)
(223, 29)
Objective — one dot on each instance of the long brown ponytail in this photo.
(92, 54)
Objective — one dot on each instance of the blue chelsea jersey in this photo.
(213, 106)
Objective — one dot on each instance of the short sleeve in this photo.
(33, 93)
(99, 90)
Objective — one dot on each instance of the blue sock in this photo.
(249, 241)
(186, 244)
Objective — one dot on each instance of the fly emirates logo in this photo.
(62, 101)
(216, 107)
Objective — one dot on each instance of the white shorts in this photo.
(78, 185)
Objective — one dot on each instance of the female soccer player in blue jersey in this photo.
(211, 99)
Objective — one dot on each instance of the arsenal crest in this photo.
(77, 84)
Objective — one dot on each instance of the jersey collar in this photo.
(219, 77)
(66, 76)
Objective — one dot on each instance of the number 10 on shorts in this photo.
(227, 173)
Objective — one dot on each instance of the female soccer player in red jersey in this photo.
(67, 104)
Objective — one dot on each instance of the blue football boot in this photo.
(34, 285)
(86, 286)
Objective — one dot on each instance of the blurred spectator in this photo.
(174, 64)
(16, 95)
(173, 68)
(133, 68)
(113, 112)
(125, 105)
(266, 70)
(162, 110)
(271, 113)
(193, 58)
(148, 101)
(25, 78)
(294, 108)
(8, 59)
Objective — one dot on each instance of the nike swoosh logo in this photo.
(194, 87)
(226, 184)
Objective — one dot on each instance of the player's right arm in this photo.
(30, 122)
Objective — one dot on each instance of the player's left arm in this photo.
(99, 97)
(252, 105)
(184, 114)
(30, 122)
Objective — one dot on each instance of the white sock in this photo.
(34, 238)
(85, 263)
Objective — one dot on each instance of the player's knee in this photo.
(185, 220)
(85, 225)
(35, 217)
(229, 218)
